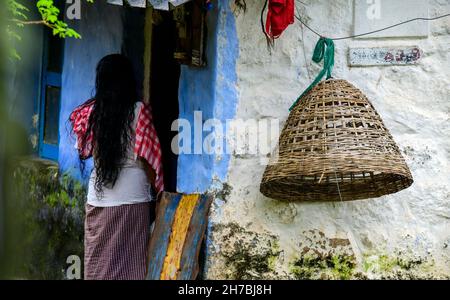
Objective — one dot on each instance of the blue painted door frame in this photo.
(52, 80)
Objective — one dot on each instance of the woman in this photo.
(117, 131)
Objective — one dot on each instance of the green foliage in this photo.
(343, 266)
(53, 210)
(329, 266)
(17, 12)
(385, 264)
(244, 261)
(51, 17)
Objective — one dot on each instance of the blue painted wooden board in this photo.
(160, 237)
(195, 236)
(192, 239)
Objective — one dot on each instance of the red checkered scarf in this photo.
(146, 145)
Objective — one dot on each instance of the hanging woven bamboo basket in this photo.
(334, 146)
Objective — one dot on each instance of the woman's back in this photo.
(119, 134)
(132, 185)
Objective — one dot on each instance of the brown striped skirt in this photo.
(115, 242)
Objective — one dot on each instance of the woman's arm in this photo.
(151, 174)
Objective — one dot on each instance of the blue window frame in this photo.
(50, 100)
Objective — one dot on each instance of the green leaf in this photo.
(52, 19)
(14, 55)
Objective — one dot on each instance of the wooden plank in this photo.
(177, 238)
(181, 221)
(196, 234)
(166, 210)
(148, 40)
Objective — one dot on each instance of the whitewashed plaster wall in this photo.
(404, 235)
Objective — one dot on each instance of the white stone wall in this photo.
(404, 235)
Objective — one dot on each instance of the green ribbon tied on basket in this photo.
(324, 50)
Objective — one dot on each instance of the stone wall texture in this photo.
(404, 235)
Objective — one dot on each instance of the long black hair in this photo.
(112, 117)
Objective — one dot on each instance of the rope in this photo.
(324, 50)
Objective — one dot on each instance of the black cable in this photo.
(375, 31)
(306, 25)
(270, 41)
(262, 17)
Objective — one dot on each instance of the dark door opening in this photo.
(164, 80)
(164, 76)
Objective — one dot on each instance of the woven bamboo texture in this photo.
(335, 147)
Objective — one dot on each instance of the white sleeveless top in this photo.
(132, 185)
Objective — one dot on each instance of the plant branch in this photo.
(39, 22)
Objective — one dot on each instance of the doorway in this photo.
(149, 41)
(164, 81)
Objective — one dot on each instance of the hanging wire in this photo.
(371, 32)
(269, 39)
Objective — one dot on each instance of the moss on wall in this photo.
(400, 265)
(53, 217)
(248, 255)
(322, 257)
(324, 267)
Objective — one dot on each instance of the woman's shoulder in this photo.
(80, 115)
(144, 108)
(139, 108)
(139, 105)
(82, 108)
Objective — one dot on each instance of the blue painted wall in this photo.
(102, 34)
(211, 90)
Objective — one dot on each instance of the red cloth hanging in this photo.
(279, 16)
